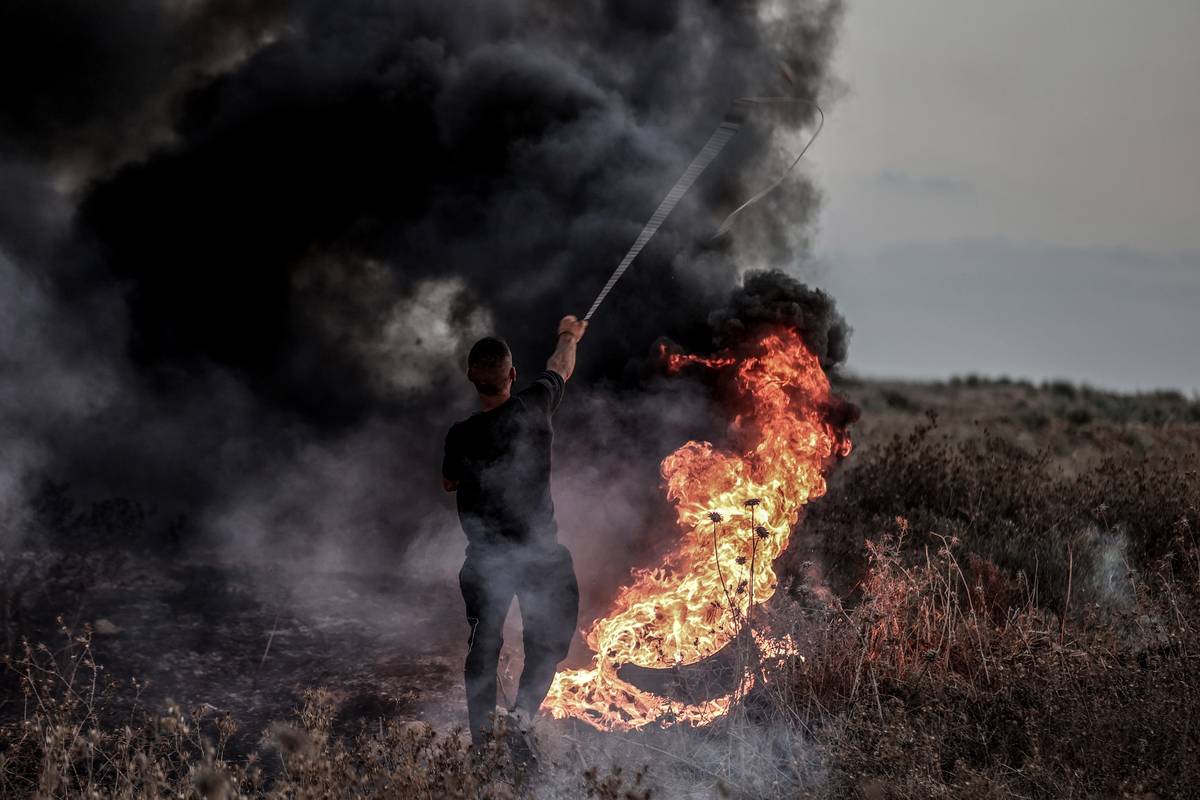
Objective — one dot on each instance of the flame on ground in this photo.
(736, 509)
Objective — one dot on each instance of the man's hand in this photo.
(570, 331)
(573, 326)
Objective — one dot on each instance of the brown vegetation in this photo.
(996, 599)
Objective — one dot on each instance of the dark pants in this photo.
(543, 581)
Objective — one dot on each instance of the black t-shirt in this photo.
(501, 460)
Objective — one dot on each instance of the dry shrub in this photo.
(928, 687)
(396, 759)
(1010, 505)
(71, 742)
(68, 743)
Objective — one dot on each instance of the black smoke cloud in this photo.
(770, 298)
(271, 229)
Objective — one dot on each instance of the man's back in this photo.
(501, 461)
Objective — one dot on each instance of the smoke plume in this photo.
(250, 243)
(773, 298)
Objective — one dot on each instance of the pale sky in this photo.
(1014, 188)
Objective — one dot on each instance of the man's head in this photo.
(490, 367)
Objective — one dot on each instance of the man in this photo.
(498, 462)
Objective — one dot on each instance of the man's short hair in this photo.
(488, 364)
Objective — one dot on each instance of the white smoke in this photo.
(45, 382)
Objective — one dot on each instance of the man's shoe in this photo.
(518, 728)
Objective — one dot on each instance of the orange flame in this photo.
(736, 509)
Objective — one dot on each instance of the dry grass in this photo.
(72, 742)
(948, 681)
(995, 610)
(69, 743)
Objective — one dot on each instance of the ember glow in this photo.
(736, 508)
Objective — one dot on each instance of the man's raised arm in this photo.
(570, 331)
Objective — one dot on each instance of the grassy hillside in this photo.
(1023, 613)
